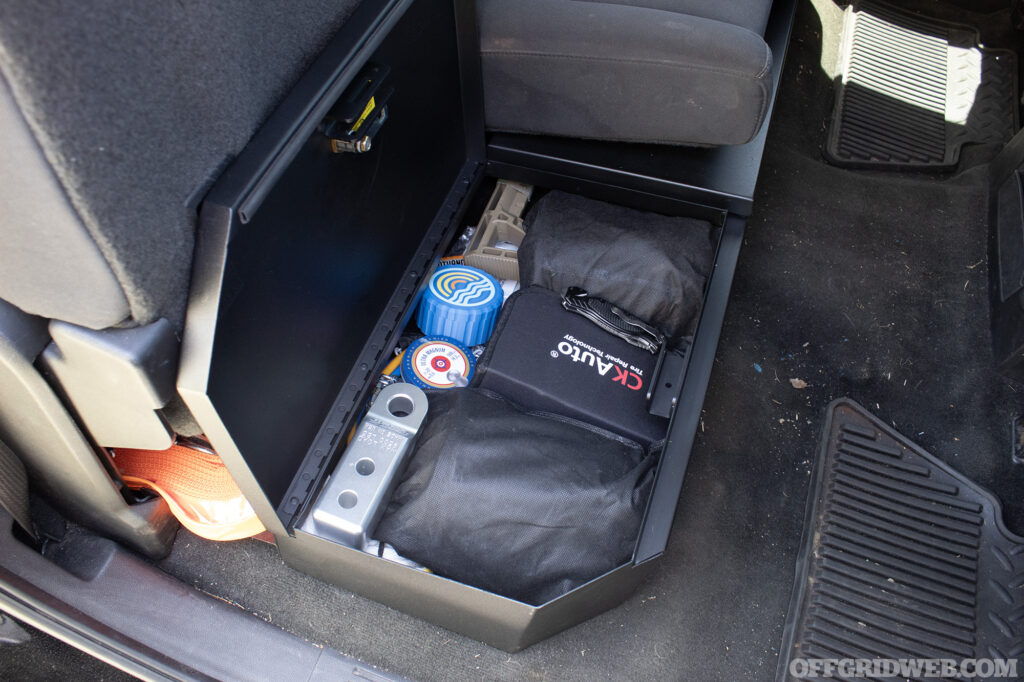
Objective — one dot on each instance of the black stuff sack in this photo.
(652, 265)
(525, 505)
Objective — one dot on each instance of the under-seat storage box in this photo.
(308, 267)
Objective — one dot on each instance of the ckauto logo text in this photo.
(607, 365)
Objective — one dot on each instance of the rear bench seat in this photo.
(681, 72)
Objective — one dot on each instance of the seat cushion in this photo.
(621, 72)
(750, 14)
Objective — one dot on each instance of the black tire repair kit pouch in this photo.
(546, 358)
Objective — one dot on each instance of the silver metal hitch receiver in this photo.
(355, 496)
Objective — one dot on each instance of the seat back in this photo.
(136, 107)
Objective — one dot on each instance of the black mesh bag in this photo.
(651, 265)
(525, 505)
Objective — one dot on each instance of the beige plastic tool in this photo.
(495, 244)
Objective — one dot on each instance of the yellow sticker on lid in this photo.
(370, 106)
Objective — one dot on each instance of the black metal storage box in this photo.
(307, 266)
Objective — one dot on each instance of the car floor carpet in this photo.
(43, 658)
(851, 283)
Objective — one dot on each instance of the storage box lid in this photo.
(306, 259)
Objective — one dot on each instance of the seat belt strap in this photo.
(14, 489)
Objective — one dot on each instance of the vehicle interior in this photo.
(509, 339)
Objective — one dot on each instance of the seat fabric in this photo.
(637, 71)
(138, 106)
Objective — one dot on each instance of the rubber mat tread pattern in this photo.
(912, 92)
(902, 557)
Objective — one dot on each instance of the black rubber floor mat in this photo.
(912, 92)
(902, 557)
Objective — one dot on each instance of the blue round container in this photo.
(437, 362)
(461, 303)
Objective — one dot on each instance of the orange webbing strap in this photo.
(196, 486)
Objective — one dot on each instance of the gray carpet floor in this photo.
(46, 659)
